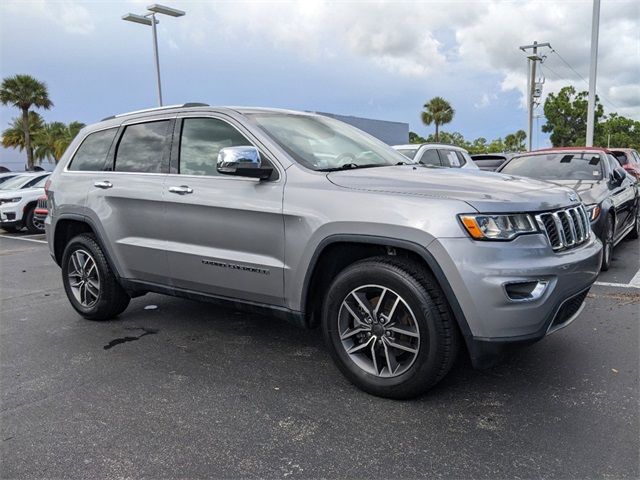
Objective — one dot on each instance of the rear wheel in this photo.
(33, 224)
(607, 244)
(389, 328)
(89, 283)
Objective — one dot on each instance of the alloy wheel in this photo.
(84, 278)
(378, 331)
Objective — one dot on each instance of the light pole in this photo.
(149, 19)
(593, 68)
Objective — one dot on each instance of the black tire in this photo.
(30, 222)
(607, 244)
(635, 232)
(438, 342)
(111, 299)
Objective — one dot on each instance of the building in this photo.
(391, 133)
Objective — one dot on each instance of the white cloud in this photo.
(490, 44)
(72, 16)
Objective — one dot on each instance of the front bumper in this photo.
(478, 273)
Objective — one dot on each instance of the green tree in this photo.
(514, 142)
(15, 137)
(450, 138)
(24, 92)
(53, 138)
(437, 111)
(566, 114)
(618, 132)
(415, 138)
(479, 145)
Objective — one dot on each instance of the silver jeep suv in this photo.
(401, 264)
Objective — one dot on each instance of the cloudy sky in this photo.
(378, 59)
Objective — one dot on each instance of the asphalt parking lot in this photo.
(188, 389)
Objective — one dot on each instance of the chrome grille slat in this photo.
(566, 228)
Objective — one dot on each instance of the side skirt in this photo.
(136, 288)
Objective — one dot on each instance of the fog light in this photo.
(525, 291)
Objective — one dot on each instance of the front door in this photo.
(225, 234)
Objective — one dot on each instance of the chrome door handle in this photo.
(181, 190)
(105, 184)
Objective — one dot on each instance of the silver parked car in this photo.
(315, 221)
(437, 155)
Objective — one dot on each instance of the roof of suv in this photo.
(411, 146)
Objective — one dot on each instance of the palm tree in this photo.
(15, 136)
(45, 141)
(24, 92)
(439, 112)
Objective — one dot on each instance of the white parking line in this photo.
(23, 238)
(633, 283)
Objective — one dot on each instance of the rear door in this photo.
(225, 234)
(125, 200)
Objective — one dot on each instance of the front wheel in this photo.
(607, 244)
(389, 328)
(89, 283)
(33, 224)
(635, 232)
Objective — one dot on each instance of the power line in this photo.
(553, 50)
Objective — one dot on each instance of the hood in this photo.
(484, 191)
(590, 191)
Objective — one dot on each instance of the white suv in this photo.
(437, 155)
(18, 199)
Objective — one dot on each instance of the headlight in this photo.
(498, 227)
(594, 212)
(10, 200)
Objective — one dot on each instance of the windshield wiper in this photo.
(351, 166)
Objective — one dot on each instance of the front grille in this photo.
(566, 228)
(569, 309)
(42, 203)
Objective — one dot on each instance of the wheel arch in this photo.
(71, 225)
(347, 249)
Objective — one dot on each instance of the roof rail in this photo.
(188, 104)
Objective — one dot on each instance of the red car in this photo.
(42, 210)
(629, 159)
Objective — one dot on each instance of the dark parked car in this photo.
(490, 161)
(609, 193)
(629, 159)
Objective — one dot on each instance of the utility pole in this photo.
(532, 61)
(591, 112)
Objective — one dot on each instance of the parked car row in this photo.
(18, 199)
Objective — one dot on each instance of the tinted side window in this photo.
(430, 157)
(141, 147)
(200, 142)
(461, 158)
(93, 151)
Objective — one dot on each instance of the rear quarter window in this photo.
(92, 153)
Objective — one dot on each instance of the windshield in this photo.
(325, 144)
(408, 152)
(557, 166)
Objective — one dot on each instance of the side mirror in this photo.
(619, 174)
(242, 162)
